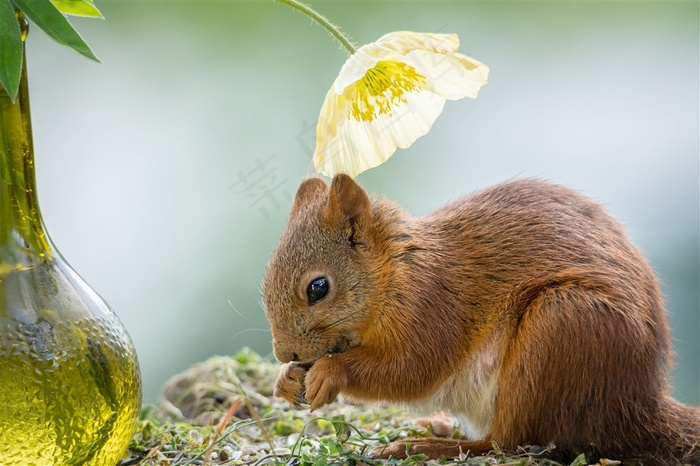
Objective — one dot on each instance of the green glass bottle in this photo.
(70, 387)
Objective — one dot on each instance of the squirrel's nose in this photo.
(285, 356)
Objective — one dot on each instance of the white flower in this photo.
(388, 94)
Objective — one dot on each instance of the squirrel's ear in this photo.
(309, 189)
(347, 203)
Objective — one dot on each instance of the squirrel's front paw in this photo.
(324, 381)
(290, 383)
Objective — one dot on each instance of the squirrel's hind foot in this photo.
(432, 448)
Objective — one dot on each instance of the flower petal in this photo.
(452, 76)
(388, 47)
(346, 145)
(403, 42)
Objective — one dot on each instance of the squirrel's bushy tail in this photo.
(678, 433)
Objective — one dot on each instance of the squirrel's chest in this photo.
(470, 394)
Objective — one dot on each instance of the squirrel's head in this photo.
(318, 284)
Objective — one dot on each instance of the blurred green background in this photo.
(166, 173)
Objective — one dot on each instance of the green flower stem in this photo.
(334, 30)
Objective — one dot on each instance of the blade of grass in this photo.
(216, 441)
(253, 411)
(222, 425)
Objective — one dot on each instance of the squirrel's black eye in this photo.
(317, 289)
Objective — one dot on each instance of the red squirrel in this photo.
(523, 310)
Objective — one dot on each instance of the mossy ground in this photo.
(221, 412)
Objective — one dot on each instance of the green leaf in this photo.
(580, 460)
(10, 49)
(84, 8)
(53, 23)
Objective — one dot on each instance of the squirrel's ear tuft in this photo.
(309, 189)
(347, 203)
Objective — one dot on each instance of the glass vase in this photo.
(70, 387)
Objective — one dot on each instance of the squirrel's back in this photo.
(524, 228)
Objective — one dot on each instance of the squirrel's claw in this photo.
(324, 381)
(290, 384)
(300, 402)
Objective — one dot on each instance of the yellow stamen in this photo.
(382, 89)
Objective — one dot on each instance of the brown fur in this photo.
(527, 282)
